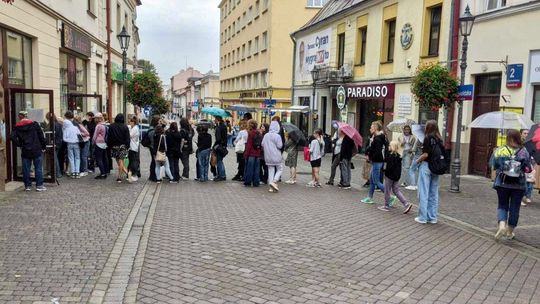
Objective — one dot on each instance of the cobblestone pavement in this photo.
(225, 243)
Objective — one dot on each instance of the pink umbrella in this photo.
(351, 132)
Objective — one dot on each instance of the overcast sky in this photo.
(173, 31)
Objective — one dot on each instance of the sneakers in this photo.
(27, 188)
(274, 186)
(412, 188)
(501, 231)
(383, 208)
(318, 185)
(102, 176)
(367, 200)
(330, 183)
(345, 187)
(41, 188)
(173, 181)
(119, 180)
(403, 185)
(407, 208)
(83, 174)
(311, 184)
(271, 190)
(290, 182)
(433, 222)
(158, 182)
(77, 175)
(420, 221)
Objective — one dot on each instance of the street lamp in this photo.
(123, 38)
(269, 105)
(466, 23)
(314, 76)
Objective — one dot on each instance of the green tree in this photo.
(147, 66)
(433, 86)
(161, 106)
(144, 89)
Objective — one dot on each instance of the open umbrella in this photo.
(502, 120)
(294, 132)
(419, 131)
(241, 108)
(351, 132)
(216, 112)
(398, 124)
(532, 142)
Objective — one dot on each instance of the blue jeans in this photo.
(204, 161)
(428, 193)
(38, 167)
(101, 160)
(74, 156)
(509, 204)
(84, 156)
(413, 171)
(375, 178)
(252, 172)
(220, 167)
(528, 190)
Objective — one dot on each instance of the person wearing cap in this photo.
(29, 136)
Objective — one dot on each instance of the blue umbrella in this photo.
(216, 112)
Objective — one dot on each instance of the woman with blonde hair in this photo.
(392, 175)
(376, 153)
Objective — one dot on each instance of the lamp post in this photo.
(123, 38)
(314, 77)
(466, 23)
(269, 105)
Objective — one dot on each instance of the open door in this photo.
(38, 103)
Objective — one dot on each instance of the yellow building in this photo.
(367, 51)
(256, 50)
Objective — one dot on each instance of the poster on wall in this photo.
(312, 50)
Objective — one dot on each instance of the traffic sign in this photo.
(466, 92)
(268, 102)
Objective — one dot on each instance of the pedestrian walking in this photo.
(174, 147)
(316, 150)
(252, 155)
(239, 149)
(291, 161)
(72, 136)
(272, 145)
(186, 134)
(511, 162)
(220, 146)
(428, 181)
(29, 137)
(337, 140)
(160, 148)
(347, 150)
(58, 141)
(264, 168)
(376, 152)
(134, 148)
(84, 146)
(204, 147)
(392, 175)
(118, 140)
(100, 146)
(416, 152)
(406, 141)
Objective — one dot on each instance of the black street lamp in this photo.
(314, 76)
(466, 23)
(269, 105)
(124, 38)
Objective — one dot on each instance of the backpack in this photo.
(511, 170)
(257, 141)
(438, 160)
(145, 141)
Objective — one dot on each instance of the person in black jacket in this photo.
(161, 146)
(174, 143)
(221, 140)
(345, 156)
(204, 146)
(58, 141)
(29, 136)
(118, 139)
(376, 152)
(392, 175)
(90, 124)
(187, 133)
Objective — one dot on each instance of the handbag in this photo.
(240, 146)
(307, 156)
(161, 156)
(221, 150)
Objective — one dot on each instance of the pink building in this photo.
(183, 91)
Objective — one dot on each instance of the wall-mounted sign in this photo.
(514, 76)
(257, 94)
(407, 36)
(405, 105)
(535, 67)
(466, 92)
(373, 91)
(341, 98)
(76, 41)
(312, 50)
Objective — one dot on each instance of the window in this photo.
(244, 21)
(341, 49)
(250, 14)
(257, 8)
(391, 28)
(256, 44)
(265, 5)
(238, 25)
(495, 4)
(126, 22)
(361, 48)
(243, 51)
(234, 28)
(118, 18)
(536, 104)
(315, 3)
(91, 8)
(19, 53)
(256, 80)
(249, 49)
(233, 53)
(434, 31)
(264, 41)
(238, 54)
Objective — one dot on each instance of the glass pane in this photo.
(536, 104)
(27, 57)
(63, 83)
(15, 58)
(3, 167)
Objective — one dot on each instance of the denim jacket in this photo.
(503, 154)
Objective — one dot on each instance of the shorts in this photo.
(316, 163)
(119, 152)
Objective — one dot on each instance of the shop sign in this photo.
(76, 41)
(371, 91)
(535, 67)
(341, 98)
(514, 76)
(466, 92)
(312, 50)
(406, 37)
(257, 94)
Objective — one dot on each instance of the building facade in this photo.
(210, 90)
(504, 67)
(181, 91)
(59, 46)
(256, 51)
(364, 54)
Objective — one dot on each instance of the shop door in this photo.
(38, 104)
(483, 141)
(80, 104)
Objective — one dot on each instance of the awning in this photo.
(299, 109)
(240, 108)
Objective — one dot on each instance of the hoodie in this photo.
(29, 136)
(272, 145)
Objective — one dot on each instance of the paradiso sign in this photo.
(371, 91)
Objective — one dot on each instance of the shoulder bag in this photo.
(161, 156)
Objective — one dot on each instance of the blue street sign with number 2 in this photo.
(514, 76)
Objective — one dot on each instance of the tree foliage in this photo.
(161, 106)
(433, 86)
(145, 90)
(147, 66)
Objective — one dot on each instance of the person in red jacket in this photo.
(252, 155)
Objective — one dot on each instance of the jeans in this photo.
(74, 155)
(375, 178)
(251, 175)
(345, 168)
(167, 169)
(185, 164)
(204, 161)
(406, 163)
(428, 193)
(38, 167)
(220, 167)
(274, 173)
(134, 166)
(335, 164)
(528, 190)
(58, 161)
(101, 160)
(393, 186)
(413, 170)
(174, 167)
(230, 141)
(84, 156)
(509, 204)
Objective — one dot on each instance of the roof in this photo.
(330, 9)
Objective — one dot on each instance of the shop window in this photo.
(434, 30)
(536, 104)
(19, 53)
(341, 49)
(361, 47)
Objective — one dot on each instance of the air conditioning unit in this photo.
(346, 71)
(333, 75)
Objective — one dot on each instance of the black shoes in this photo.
(102, 176)
(219, 179)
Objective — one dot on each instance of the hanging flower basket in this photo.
(434, 87)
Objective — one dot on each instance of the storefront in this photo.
(534, 80)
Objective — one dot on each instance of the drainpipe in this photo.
(109, 63)
(452, 63)
(293, 66)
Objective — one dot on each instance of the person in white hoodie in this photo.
(272, 145)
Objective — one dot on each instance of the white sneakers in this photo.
(413, 188)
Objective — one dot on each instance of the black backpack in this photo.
(438, 160)
(257, 141)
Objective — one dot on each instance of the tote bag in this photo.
(307, 156)
(161, 156)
